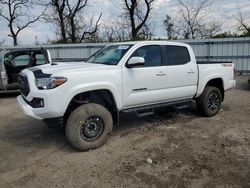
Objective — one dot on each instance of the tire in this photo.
(89, 126)
(209, 102)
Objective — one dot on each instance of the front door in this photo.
(147, 83)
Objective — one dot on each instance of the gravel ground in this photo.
(169, 149)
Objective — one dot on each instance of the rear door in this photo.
(182, 73)
(145, 84)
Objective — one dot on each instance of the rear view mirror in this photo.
(135, 61)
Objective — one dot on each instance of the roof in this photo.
(152, 42)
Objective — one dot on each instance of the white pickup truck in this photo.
(137, 77)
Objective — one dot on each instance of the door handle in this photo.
(191, 71)
(161, 73)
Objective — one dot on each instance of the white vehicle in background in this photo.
(137, 77)
(13, 62)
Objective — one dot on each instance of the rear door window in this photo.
(177, 55)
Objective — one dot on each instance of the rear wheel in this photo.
(88, 126)
(209, 102)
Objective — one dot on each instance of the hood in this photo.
(67, 67)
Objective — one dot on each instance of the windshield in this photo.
(109, 55)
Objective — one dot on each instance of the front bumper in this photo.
(27, 109)
(43, 104)
(51, 108)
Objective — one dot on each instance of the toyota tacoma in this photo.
(88, 97)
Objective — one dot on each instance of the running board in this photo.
(182, 106)
(177, 104)
(142, 114)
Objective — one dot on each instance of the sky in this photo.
(224, 11)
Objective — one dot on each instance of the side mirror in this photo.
(135, 61)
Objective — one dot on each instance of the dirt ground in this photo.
(187, 150)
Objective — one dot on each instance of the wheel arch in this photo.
(218, 83)
(104, 97)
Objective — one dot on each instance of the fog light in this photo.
(37, 103)
(42, 103)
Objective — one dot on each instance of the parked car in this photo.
(13, 62)
(126, 77)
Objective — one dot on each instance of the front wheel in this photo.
(88, 126)
(209, 102)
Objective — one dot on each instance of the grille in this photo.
(23, 84)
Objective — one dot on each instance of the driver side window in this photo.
(151, 54)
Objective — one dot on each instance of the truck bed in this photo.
(213, 62)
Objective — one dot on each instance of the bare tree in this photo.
(194, 15)
(73, 10)
(210, 29)
(90, 33)
(137, 13)
(147, 31)
(121, 30)
(116, 31)
(242, 25)
(17, 13)
(108, 33)
(170, 27)
(67, 17)
(58, 17)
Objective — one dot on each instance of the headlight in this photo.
(49, 82)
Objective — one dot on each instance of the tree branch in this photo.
(28, 23)
(93, 31)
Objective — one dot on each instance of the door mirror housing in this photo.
(135, 62)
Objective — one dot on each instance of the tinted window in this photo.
(21, 60)
(151, 54)
(40, 59)
(177, 55)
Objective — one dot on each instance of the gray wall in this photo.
(236, 50)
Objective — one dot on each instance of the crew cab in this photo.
(137, 77)
(13, 62)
